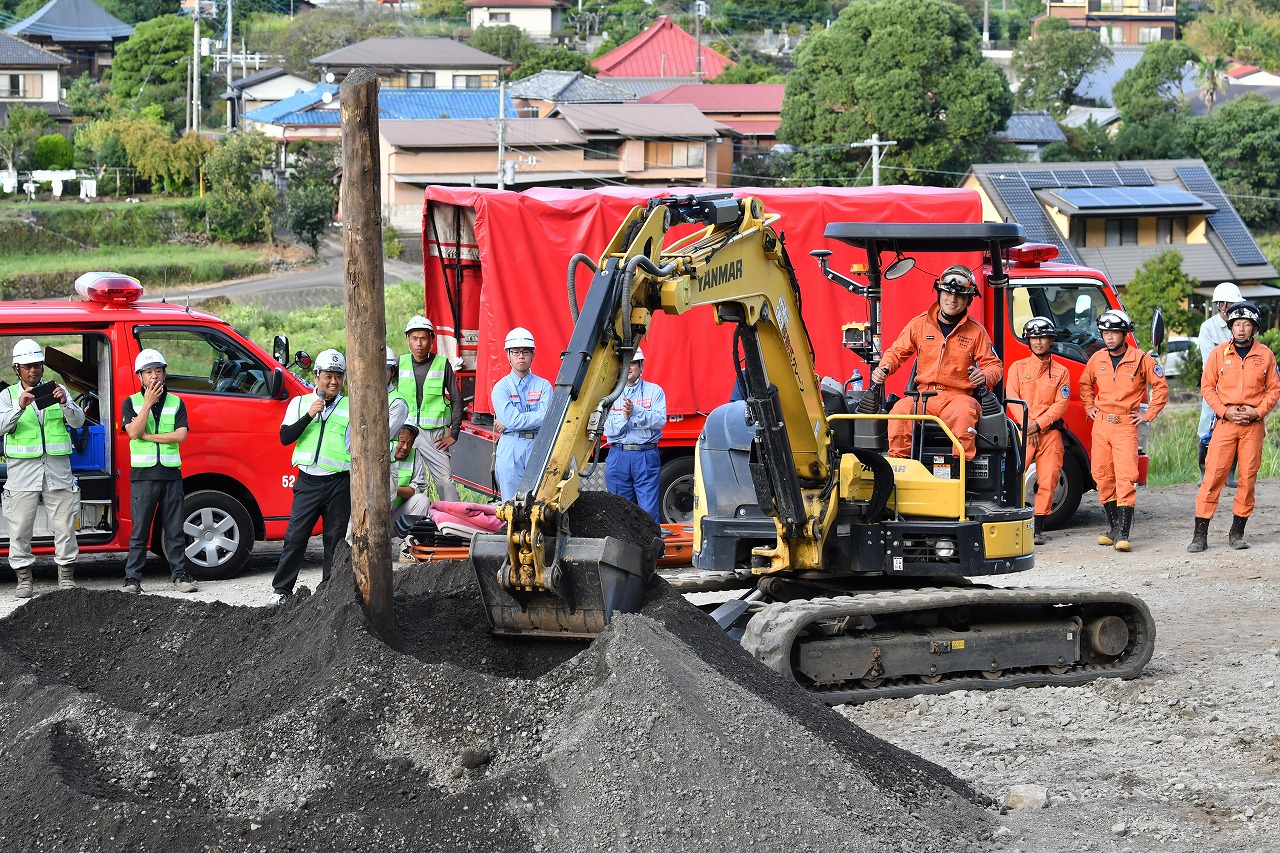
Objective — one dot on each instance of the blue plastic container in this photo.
(94, 455)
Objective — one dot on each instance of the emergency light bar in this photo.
(109, 288)
(1031, 254)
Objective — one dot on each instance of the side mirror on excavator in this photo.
(1157, 331)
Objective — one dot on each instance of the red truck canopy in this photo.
(494, 260)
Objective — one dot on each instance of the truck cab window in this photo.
(204, 361)
(1074, 309)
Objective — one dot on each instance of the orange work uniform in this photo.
(1117, 392)
(942, 365)
(1230, 381)
(1045, 385)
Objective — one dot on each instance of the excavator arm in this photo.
(539, 578)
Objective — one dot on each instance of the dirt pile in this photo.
(145, 723)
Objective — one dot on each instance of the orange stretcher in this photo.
(677, 551)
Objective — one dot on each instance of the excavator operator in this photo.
(954, 355)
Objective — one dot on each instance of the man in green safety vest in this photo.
(37, 449)
(428, 385)
(319, 426)
(156, 423)
(409, 478)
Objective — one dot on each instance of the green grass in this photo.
(132, 260)
(1174, 448)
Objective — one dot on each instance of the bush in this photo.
(121, 224)
(54, 152)
(391, 245)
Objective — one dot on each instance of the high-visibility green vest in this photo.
(324, 441)
(148, 454)
(404, 472)
(434, 411)
(31, 439)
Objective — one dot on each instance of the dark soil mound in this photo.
(147, 723)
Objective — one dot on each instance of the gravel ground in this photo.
(302, 732)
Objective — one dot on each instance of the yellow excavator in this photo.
(852, 567)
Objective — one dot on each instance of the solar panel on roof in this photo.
(1103, 177)
(1071, 177)
(1039, 180)
(1135, 177)
(1226, 223)
(1097, 198)
(1027, 212)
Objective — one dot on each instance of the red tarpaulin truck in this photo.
(494, 260)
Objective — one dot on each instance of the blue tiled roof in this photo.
(393, 104)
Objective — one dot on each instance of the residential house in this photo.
(752, 110)
(1121, 22)
(663, 50)
(541, 20)
(29, 75)
(261, 89)
(582, 145)
(414, 63)
(1114, 216)
(80, 30)
(641, 86)
(538, 94)
(1031, 132)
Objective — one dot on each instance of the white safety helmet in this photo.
(27, 351)
(332, 361)
(519, 338)
(418, 323)
(391, 357)
(1227, 292)
(148, 358)
(639, 356)
(1114, 320)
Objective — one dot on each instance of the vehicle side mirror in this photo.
(899, 268)
(280, 349)
(275, 383)
(1157, 331)
(303, 359)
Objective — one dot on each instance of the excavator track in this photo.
(788, 636)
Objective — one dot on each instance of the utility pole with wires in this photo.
(700, 9)
(502, 134)
(875, 143)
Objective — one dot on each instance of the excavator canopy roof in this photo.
(905, 237)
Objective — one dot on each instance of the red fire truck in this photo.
(494, 260)
(237, 477)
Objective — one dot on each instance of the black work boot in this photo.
(1200, 539)
(1039, 535)
(1204, 453)
(1109, 538)
(1236, 536)
(1124, 523)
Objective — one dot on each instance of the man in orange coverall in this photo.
(1111, 389)
(1240, 385)
(1045, 386)
(953, 356)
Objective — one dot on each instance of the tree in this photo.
(23, 129)
(1241, 146)
(54, 151)
(1211, 77)
(1052, 64)
(323, 30)
(1160, 137)
(1161, 283)
(240, 205)
(309, 210)
(1153, 87)
(87, 97)
(136, 11)
(556, 58)
(910, 70)
(151, 67)
(506, 41)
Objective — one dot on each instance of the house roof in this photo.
(310, 107)
(1097, 84)
(663, 50)
(72, 22)
(1038, 128)
(478, 133)
(639, 121)
(567, 87)
(753, 128)
(1021, 192)
(723, 97)
(1078, 116)
(54, 109)
(394, 52)
(16, 53)
(263, 76)
(641, 86)
(516, 4)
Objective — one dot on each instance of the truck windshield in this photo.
(1074, 308)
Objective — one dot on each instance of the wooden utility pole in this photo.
(366, 343)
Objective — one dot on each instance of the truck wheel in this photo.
(1066, 495)
(675, 491)
(219, 534)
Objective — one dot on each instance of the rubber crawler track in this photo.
(773, 630)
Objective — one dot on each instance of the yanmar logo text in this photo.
(717, 276)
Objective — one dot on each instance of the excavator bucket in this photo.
(591, 579)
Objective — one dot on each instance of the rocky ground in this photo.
(198, 723)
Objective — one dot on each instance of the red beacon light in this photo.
(1033, 254)
(109, 288)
